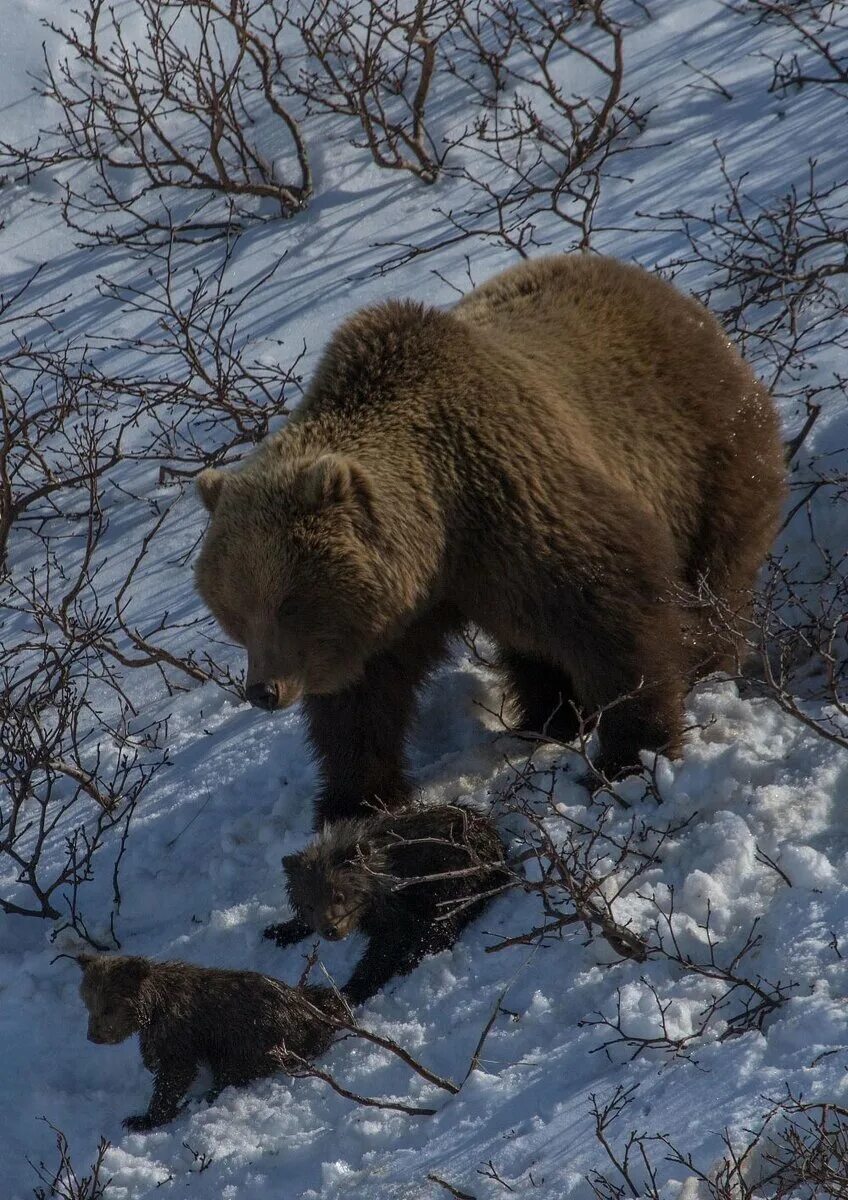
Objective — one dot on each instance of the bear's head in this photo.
(112, 989)
(332, 881)
(292, 568)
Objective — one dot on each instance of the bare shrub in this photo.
(201, 397)
(70, 420)
(798, 1150)
(70, 779)
(820, 28)
(778, 278)
(55, 439)
(741, 999)
(793, 649)
(63, 1181)
(582, 865)
(345, 1022)
(68, 416)
(535, 152)
(577, 867)
(777, 272)
(76, 757)
(164, 99)
(376, 63)
(777, 275)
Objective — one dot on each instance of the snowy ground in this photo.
(201, 874)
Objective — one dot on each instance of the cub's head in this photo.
(329, 886)
(112, 989)
(290, 568)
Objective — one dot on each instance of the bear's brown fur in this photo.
(410, 881)
(552, 460)
(241, 1024)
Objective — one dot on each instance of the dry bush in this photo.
(777, 275)
(75, 759)
(741, 1000)
(820, 33)
(56, 437)
(201, 398)
(63, 1181)
(791, 645)
(376, 63)
(70, 420)
(577, 867)
(536, 151)
(62, 603)
(165, 101)
(70, 780)
(797, 638)
(798, 1151)
(32, 467)
(581, 866)
(777, 266)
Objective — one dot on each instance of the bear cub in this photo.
(241, 1024)
(410, 881)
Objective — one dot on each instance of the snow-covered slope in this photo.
(201, 874)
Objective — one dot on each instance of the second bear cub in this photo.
(410, 881)
(241, 1024)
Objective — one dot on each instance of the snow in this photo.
(201, 875)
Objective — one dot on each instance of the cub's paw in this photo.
(139, 1123)
(289, 933)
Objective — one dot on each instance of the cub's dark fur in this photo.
(243, 1025)
(354, 876)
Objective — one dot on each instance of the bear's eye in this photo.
(338, 897)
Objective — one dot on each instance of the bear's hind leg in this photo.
(629, 669)
(543, 695)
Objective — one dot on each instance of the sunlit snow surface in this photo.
(201, 875)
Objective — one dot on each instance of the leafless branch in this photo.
(166, 120)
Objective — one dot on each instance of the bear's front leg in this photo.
(172, 1080)
(393, 952)
(359, 734)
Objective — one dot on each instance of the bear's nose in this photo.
(262, 695)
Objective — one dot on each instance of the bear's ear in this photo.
(84, 959)
(333, 479)
(133, 972)
(210, 483)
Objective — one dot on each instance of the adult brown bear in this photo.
(553, 460)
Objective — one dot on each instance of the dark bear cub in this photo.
(243, 1025)
(410, 881)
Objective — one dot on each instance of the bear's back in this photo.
(644, 368)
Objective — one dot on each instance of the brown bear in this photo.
(410, 881)
(241, 1024)
(554, 460)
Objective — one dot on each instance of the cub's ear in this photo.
(84, 959)
(334, 479)
(134, 971)
(210, 484)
